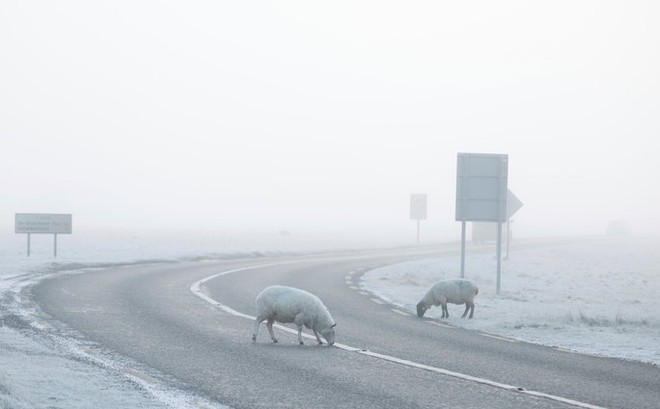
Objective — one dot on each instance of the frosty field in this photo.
(598, 297)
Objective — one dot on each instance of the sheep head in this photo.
(329, 334)
(421, 309)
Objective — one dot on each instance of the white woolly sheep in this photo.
(456, 291)
(287, 304)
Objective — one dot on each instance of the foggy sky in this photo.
(303, 115)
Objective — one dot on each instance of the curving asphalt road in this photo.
(384, 358)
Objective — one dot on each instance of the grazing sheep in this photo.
(456, 291)
(287, 304)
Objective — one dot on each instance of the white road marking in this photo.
(377, 301)
(196, 289)
(405, 314)
(363, 293)
(571, 351)
(440, 324)
(141, 375)
(483, 334)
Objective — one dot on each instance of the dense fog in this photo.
(299, 117)
(209, 137)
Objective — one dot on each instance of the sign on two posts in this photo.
(481, 196)
(43, 223)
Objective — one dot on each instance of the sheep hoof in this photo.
(254, 338)
(274, 341)
(302, 343)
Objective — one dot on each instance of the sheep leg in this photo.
(467, 308)
(300, 321)
(316, 334)
(445, 311)
(471, 309)
(300, 335)
(269, 325)
(256, 327)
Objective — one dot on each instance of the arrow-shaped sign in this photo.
(513, 204)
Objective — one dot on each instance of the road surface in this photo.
(190, 324)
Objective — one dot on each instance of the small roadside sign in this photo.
(43, 223)
(418, 209)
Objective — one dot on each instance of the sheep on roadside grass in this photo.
(456, 291)
(287, 304)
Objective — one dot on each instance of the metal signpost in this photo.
(418, 209)
(43, 223)
(481, 196)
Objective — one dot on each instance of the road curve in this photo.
(385, 357)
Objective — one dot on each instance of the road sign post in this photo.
(481, 195)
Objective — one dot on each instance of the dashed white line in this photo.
(141, 375)
(195, 288)
(483, 334)
(440, 324)
(571, 351)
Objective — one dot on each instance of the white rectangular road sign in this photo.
(43, 223)
(418, 206)
(481, 187)
(481, 196)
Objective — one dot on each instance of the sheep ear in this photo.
(333, 325)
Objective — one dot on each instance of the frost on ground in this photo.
(598, 296)
(54, 381)
(44, 366)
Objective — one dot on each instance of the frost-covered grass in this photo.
(598, 296)
(34, 376)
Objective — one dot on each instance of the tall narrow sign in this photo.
(481, 195)
(418, 209)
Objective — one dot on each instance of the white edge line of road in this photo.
(196, 289)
